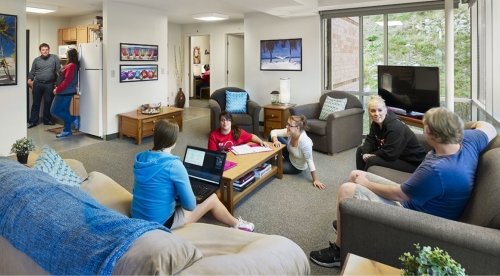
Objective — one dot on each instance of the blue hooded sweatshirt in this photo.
(160, 182)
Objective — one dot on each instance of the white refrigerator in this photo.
(90, 88)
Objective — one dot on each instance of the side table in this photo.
(136, 125)
(275, 116)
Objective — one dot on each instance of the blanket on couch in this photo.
(63, 229)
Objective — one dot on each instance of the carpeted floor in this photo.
(290, 207)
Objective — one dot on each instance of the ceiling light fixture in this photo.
(210, 16)
(37, 8)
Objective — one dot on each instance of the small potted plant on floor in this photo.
(22, 148)
(428, 261)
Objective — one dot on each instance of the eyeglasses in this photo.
(289, 125)
(225, 120)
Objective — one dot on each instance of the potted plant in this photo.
(22, 148)
(428, 261)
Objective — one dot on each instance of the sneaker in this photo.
(334, 224)
(64, 134)
(31, 125)
(76, 123)
(327, 257)
(244, 225)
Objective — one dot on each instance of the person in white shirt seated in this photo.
(298, 152)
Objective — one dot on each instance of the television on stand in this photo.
(409, 90)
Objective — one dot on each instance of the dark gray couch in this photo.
(383, 233)
(342, 130)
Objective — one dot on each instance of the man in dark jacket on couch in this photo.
(440, 186)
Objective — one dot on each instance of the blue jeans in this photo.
(288, 167)
(60, 109)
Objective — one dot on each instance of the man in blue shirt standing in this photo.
(440, 186)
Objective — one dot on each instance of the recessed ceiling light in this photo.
(38, 8)
(212, 16)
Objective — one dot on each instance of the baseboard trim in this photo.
(111, 136)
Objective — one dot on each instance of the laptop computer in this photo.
(205, 168)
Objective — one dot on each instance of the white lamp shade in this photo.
(284, 90)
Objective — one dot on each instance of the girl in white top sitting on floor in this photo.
(298, 152)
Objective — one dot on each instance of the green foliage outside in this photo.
(418, 41)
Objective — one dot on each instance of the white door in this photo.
(235, 61)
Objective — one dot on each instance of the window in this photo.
(355, 41)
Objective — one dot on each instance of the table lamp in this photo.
(284, 90)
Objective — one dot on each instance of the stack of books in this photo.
(262, 170)
(240, 184)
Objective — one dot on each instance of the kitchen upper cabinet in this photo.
(82, 35)
(74, 35)
(68, 35)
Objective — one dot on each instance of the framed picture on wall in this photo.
(144, 72)
(8, 49)
(138, 52)
(281, 55)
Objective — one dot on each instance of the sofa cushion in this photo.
(483, 208)
(157, 253)
(316, 126)
(108, 192)
(332, 105)
(227, 251)
(50, 162)
(242, 119)
(236, 102)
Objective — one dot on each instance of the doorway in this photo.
(235, 62)
(199, 63)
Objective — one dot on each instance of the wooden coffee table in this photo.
(356, 265)
(245, 164)
(137, 125)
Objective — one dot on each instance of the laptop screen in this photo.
(204, 164)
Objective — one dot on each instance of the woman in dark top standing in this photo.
(390, 143)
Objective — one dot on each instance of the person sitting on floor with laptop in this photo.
(390, 142)
(162, 191)
(298, 152)
(228, 135)
(440, 186)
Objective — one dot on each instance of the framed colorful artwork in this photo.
(138, 52)
(144, 72)
(281, 55)
(8, 49)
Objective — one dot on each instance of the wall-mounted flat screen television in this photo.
(409, 89)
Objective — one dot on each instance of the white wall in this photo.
(305, 85)
(217, 32)
(83, 20)
(174, 41)
(13, 97)
(125, 23)
(43, 29)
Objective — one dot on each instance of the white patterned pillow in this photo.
(50, 162)
(236, 102)
(332, 105)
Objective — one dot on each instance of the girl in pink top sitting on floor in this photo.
(227, 135)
